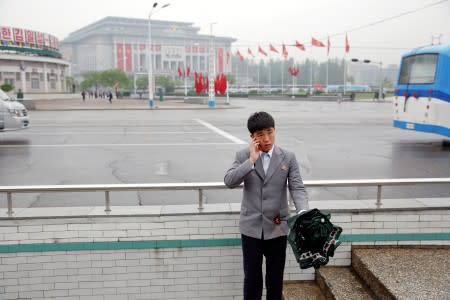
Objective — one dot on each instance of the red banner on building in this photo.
(220, 60)
(40, 38)
(187, 49)
(29, 37)
(194, 49)
(128, 60)
(6, 34)
(142, 47)
(120, 58)
(18, 35)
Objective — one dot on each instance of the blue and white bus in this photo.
(422, 95)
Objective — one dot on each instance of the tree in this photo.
(107, 78)
(113, 76)
(142, 82)
(69, 81)
(231, 79)
(6, 87)
(166, 82)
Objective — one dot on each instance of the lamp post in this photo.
(211, 69)
(380, 85)
(151, 102)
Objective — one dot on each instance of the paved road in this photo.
(331, 141)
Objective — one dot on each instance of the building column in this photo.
(58, 79)
(23, 80)
(45, 78)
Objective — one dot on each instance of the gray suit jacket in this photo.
(265, 196)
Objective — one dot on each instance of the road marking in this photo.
(221, 132)
(111, 145)
(105, 133)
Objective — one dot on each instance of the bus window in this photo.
(418, 69)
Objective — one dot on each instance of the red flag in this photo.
(316, 43)
(285, 53)
(293, 71)
(272, 48)
(188, 70)
(299, 46)
(347, 45)
(241, 57)
(205, 85)
(260, 50)
(198, 83)
(250, 52)
(180, 72)
(328, 46)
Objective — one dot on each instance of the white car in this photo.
(13, 115)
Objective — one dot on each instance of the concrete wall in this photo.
(170, 252)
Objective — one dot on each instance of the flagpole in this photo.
(258, 81)
(270, 76)
(185, 71)
(311, 72)
(247, 76)
(345, 73)
(282, 76)
(293, 84)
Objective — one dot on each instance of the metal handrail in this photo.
(201, 186)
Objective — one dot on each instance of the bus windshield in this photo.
(418, 69)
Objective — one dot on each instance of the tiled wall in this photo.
(104, 270)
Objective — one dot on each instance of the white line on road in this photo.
(106, 133)
(221, 132)
(111, 145)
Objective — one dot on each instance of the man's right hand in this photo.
(254, 151)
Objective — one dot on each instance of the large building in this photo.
(117, 42)
(30, 61)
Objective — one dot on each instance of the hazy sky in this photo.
(261, 22)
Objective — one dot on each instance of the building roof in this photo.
(139, 27)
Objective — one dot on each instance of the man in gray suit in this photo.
(267, 171)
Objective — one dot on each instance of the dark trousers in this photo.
(275, 252)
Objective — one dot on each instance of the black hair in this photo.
(259, 121)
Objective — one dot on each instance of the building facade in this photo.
(122, 43)
(30, 61)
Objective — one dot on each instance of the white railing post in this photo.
(200, 199)
(378, 196)
(107, 203)
(9, 198)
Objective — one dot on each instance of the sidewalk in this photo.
(75, 102)
(121, 104)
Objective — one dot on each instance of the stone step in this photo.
(302, 290)
(404, 272)
(341, 283)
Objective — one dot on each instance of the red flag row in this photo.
(201, 83)
(298, 45)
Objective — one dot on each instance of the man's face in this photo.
(265, 138)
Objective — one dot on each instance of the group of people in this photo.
(96, 94)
